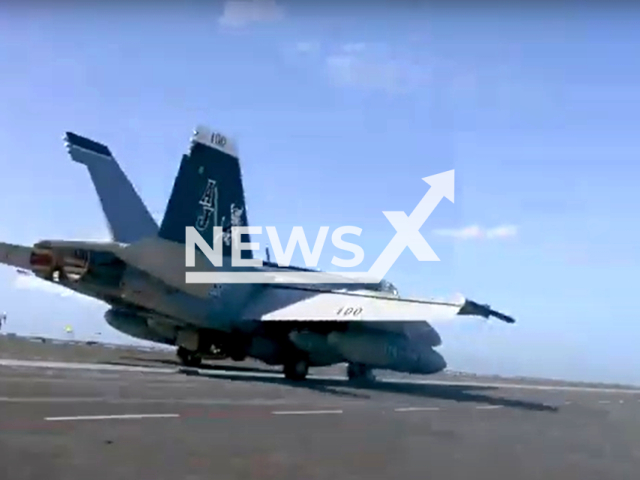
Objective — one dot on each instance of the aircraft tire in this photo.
(297, 369)
(357, 372)
(189, 358)
(238, 356)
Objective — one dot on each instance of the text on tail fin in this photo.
(207, 192)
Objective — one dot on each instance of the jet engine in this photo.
(75, 264)
(386, 351)
(317, 346)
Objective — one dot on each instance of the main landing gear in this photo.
(357, 372)
(189, 358)
(296, 369)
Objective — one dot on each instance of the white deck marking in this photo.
(416, 409)
(113, 417)
(488, 407)
(306, 412)
(83, 366)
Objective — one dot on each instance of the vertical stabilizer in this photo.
(207, 192)
(126, 214)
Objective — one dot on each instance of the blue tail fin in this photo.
(207, 192)
(126, 214)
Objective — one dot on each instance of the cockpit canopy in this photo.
(386, 287)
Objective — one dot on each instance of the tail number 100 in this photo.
(349, 311)
(218, 139)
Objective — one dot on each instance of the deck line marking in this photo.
(416, 409)
(305, 412)
(488, 407)
(112, 417)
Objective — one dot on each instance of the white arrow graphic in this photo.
(408, 228)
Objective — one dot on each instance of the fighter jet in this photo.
(141, 275)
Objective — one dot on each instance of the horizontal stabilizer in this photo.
(127, 216)
(15, 255)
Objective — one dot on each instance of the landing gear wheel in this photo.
(296, 369)
(357, 372)
(236, 347)
(237, 354)
(189, 358)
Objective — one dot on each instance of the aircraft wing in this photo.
(302, 303)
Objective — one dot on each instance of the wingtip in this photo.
(476, 309)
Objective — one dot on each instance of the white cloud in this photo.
(475, 231)
(370, 66)
(354, 47)
(30, 282)
(364, 66)
(307, 47)
(239, 13)
(502, 231)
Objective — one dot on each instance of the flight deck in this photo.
(77, 411)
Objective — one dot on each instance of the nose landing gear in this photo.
(296, 369)
(357, 372)
(189, 358)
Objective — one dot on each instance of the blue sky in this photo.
(339, 114)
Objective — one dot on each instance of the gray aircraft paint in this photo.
(126, 214)
(150, 282)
